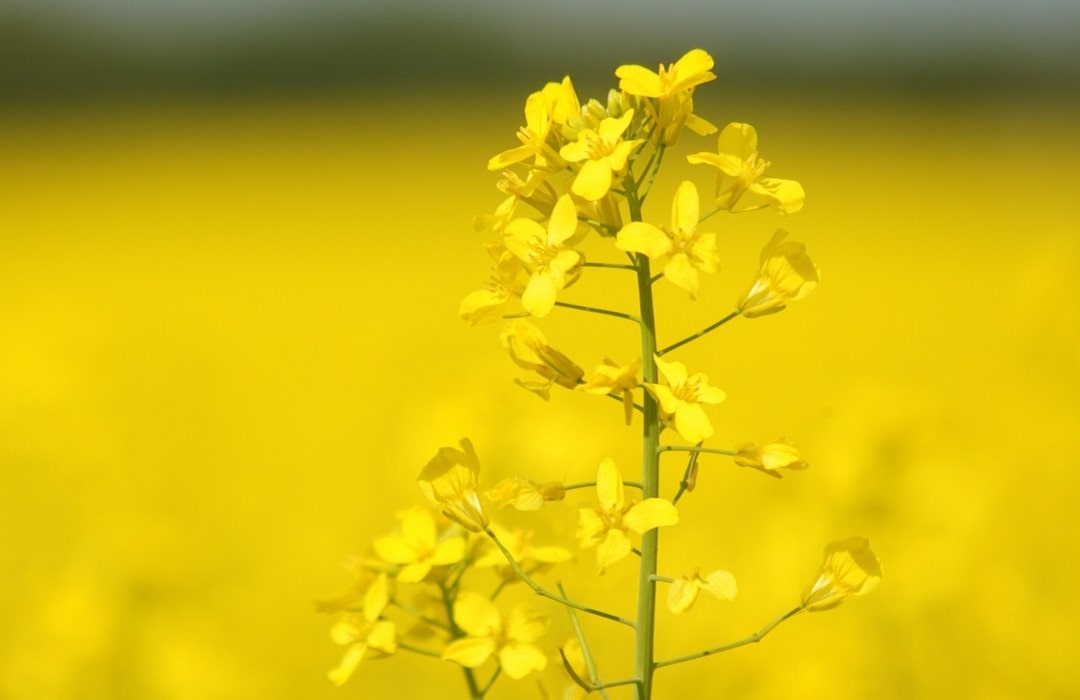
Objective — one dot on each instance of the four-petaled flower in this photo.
(605, 154)
(450, 481)
(551, 264)
(681, 399)
(770, 457)
(740, 183)
(850, 568)
(786, 274)
(418, 547)
(553, 105)
(360, 633)
(618, 380)
(507, 280)
(607, 525)
(684, 590)
(686, 250)
(510, 640)
(673, 89)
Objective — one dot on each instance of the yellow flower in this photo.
(529, 350)
(850, 568)
(770, 457)
(684, 590)
(490, 635)
(605, 155)
(611, 378)
(359, 633)
(607, 525)
(740, 184)
(672, 88)
(552, 265)
(450, 481)
(418, 547)
(531, 558)
(680, 401)
(686, 250)
(786, 274)
(525, 494)
(554, 104)
(489, 303)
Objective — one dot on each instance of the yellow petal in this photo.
(785, 195)
(692, 423)
(525, 625)
(590, 525)
(614, 547)
(721, 584)
(449, 551)
(563, 223)
(640, 237)
(377, 598)
(681, 595)
(685, 209)
(638, 80)
(476, 614)
(609, 486)
(418, 527)
(519, 660)
(349, 661)
(682, 274)
(540, 294)
(383, 636)
(394, 549)
(470, 652)
(738, 140)
(483, 306)
(593, 180)
(650, 513)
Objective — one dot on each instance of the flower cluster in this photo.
(574, 192)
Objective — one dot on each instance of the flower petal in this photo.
(640, 237)
(650, 513)
(519, 660)
(470, 652)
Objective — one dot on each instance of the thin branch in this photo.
(610, 266)
(696, 449)
(752, 639)
(697, 335)
(418, 650)
(540, 590)
(594, 310)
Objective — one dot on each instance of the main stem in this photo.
(650, 473)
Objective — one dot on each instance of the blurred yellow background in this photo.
(228, 343)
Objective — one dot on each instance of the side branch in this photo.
(594, 310)
(696, 449)
(697, 335)
(541, 591)
(752, 639)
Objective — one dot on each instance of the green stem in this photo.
(644, 648)
(610, 266)
(697, 335)
(457, 633)
(418, 650)
(752, 639)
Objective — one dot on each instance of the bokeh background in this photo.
(233, 237)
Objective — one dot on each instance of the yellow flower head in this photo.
(417, 547)
(488, 304)
(556, 103)
(604, 153)
(684, 590)
(619, 380)
(740, 182)
(510, 640)
(770, 457)
(525, 494)
(361, 633)
(551, 263)
(786, 274)
(606, 526)
(687, 251)
(850, 568)
(681, 399)
(450, 481)
(671, 90)
(529, 350)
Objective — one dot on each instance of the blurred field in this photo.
(228, 342)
